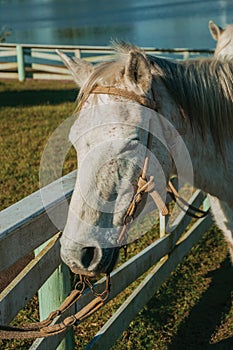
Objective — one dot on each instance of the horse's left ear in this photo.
(80, 69)
(215, 30)
(137, 72)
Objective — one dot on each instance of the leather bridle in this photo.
(144, 185)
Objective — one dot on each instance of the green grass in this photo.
(29, 113)
(192, 309)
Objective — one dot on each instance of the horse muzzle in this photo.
(90, 259)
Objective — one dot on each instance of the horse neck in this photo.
(212, 173)
(207, 164)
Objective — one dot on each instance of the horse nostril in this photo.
(87, 256)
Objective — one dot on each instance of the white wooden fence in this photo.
(42, 62)
(25, 226)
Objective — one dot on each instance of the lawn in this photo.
(192, 309)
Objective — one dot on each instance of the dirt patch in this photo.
(9, 274)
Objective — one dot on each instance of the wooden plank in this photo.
(8, 75)
(49, 68)
(7, 53)
(31, 206)
(46, 56)
(10, 65)
(44, 76)
(27, 283)
(26, 224)
(114, 327)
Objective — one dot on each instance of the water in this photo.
(156, 23)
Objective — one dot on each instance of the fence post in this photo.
(77, 53)
(20, 61)
(186, 55)
(52, 294)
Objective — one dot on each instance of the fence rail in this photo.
(25, 226)
(41, 61)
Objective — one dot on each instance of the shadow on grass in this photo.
(37, 97)
(206, 316)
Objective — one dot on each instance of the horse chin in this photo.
(83, 272)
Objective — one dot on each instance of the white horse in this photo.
(185, 106)
(224, 38)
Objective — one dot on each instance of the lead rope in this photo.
(45, 329)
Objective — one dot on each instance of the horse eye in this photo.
(135, 139)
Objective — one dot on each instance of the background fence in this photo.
(42, 62)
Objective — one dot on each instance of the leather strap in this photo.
(45, 329)
(184, 205)
(130, 95)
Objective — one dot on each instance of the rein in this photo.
(144, 186)
(46, 329)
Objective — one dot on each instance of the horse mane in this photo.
(201, 88)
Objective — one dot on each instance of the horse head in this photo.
(116, 105)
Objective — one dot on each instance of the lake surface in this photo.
(156, 23)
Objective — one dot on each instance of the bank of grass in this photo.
(192, 309)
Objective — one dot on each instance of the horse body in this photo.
(192, 137)
(223, 212)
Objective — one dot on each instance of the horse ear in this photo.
(137, 72)
(80, 69)
(215, 30)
